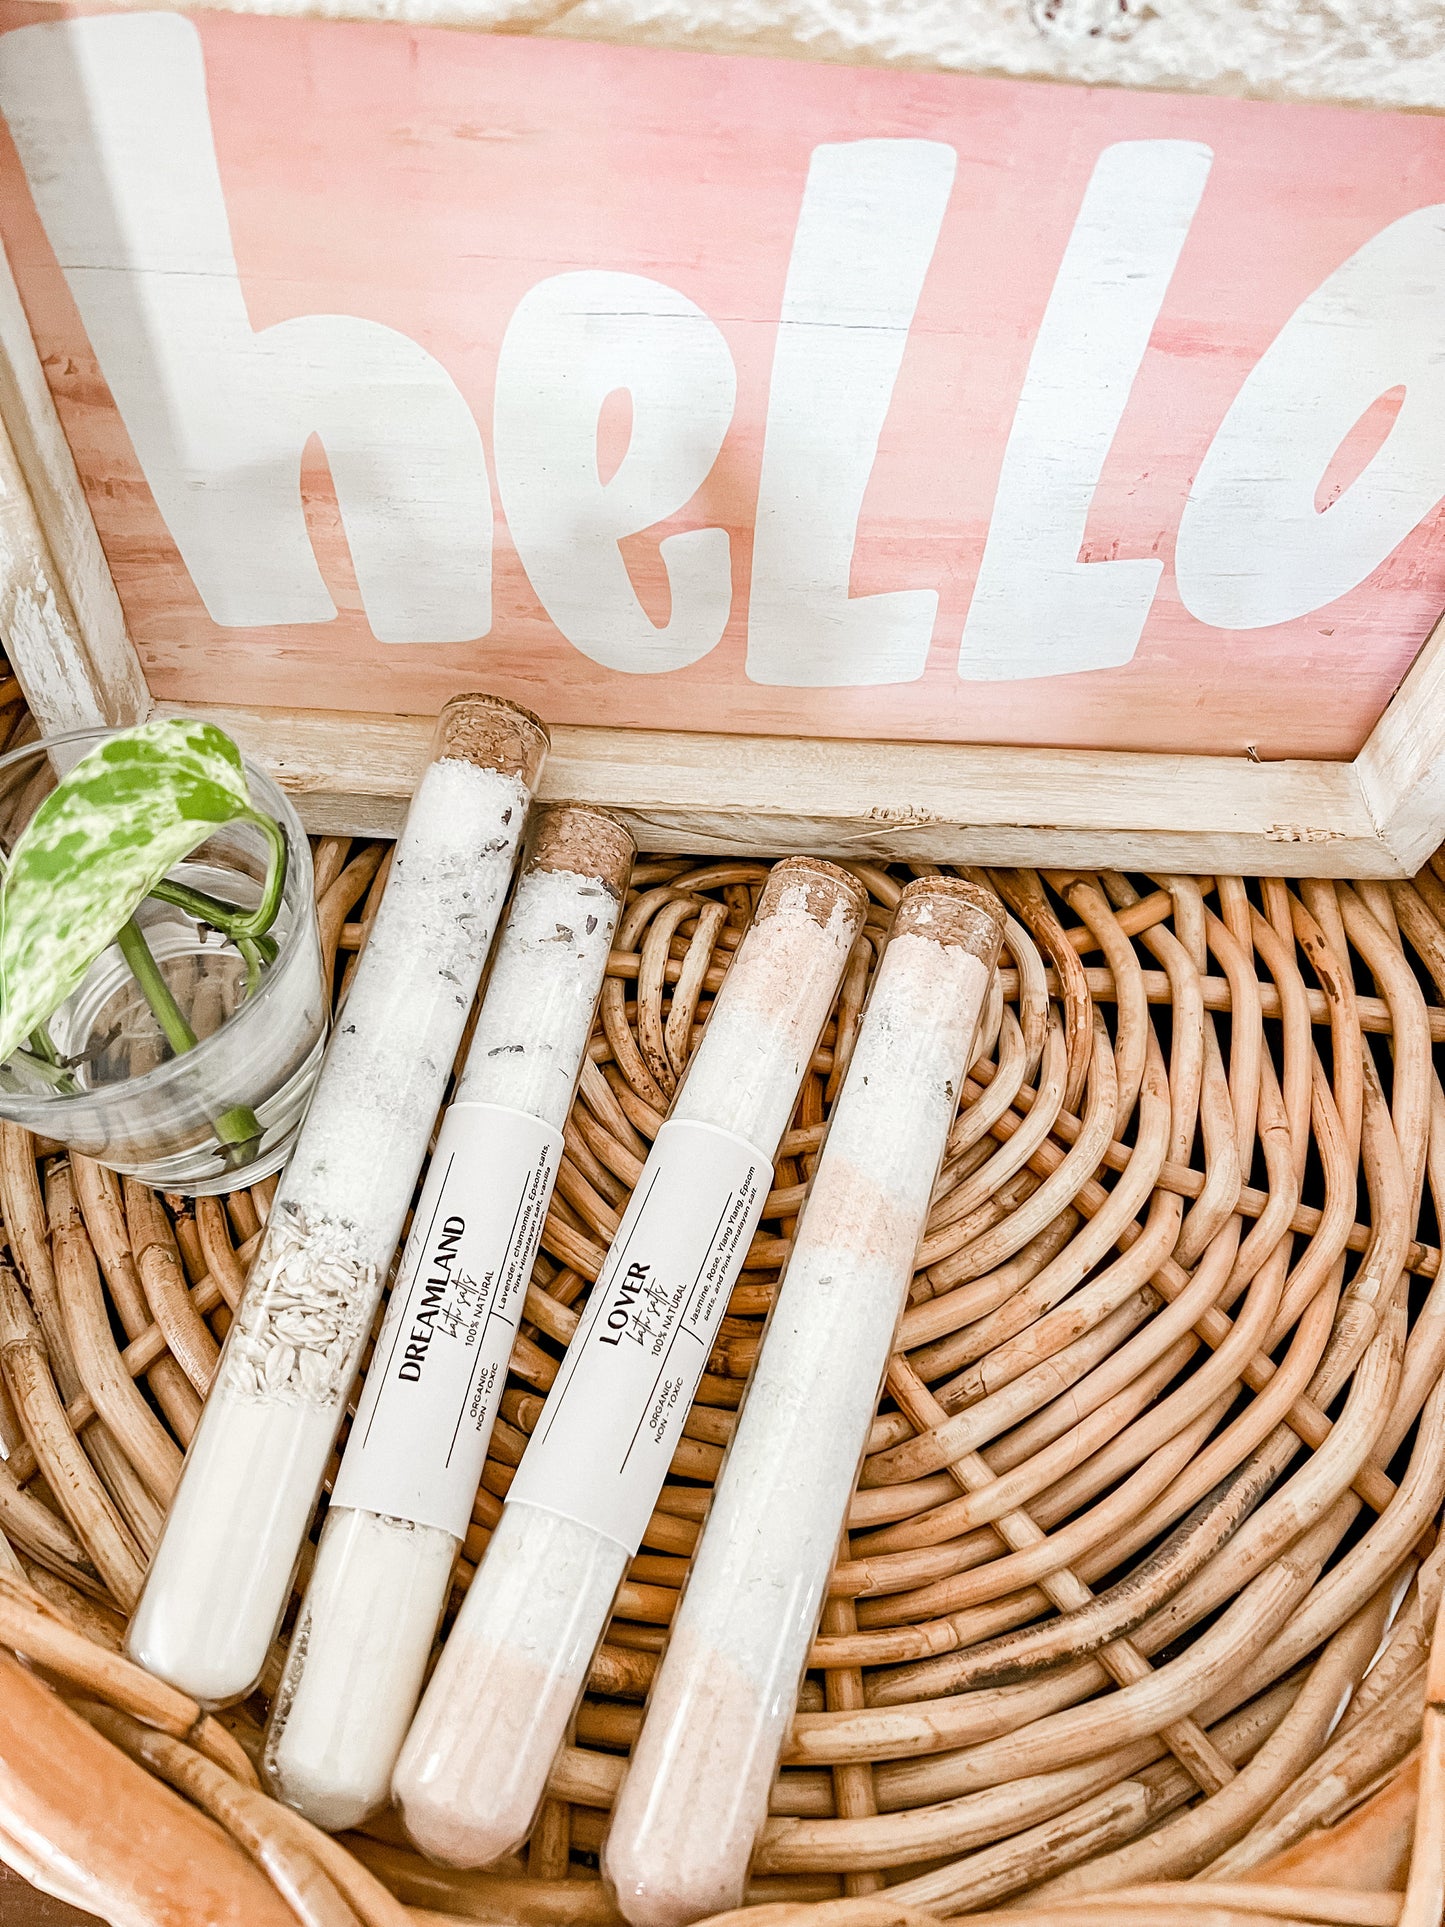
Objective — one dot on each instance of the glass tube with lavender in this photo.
(222, 1572)
(403, 1499)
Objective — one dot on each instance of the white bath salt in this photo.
(403, 1499)
(221, 1574)
(696, 1792)
(475, 1763)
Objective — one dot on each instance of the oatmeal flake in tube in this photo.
(222, 1572)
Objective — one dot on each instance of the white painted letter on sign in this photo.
(866, 234)
(1254, 548)
(1037, 610)
(112, 127)
(573, 340)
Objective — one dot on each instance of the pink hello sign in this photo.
(689, 392)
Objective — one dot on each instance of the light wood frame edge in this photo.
(60, 617)
(761, 795)
(1380, 816)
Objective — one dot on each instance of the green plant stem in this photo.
(245, 928)
(59, 1076)
(42, 1044)
(45, 1060)
(267, 909)
(256, 960)
(147, 973)
(226, 917)
(235, 925)
(237, 1128)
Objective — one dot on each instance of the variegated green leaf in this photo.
(100, 842)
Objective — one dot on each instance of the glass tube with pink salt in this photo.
(475, 1764)
(222, 1571)
(696, 1792)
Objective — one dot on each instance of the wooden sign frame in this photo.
(1379, 816)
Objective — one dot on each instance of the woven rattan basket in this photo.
(1168, 1394)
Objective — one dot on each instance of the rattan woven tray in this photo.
(1179, 1290)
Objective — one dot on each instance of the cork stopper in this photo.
(829, 889)
(494, 734)
(585, 841)
(952, 910)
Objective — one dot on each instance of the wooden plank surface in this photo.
(21, 1905)
(759, 795)
(42, 639)
(82, 580)
(1091, 369)
(1402, 766)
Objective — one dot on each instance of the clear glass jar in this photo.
(140, 1108)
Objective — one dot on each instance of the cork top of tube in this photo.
(494, 734)
(586, 841)
(828, 887)
(954, 911)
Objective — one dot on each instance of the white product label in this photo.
(420, 1437)
(607, 1433)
